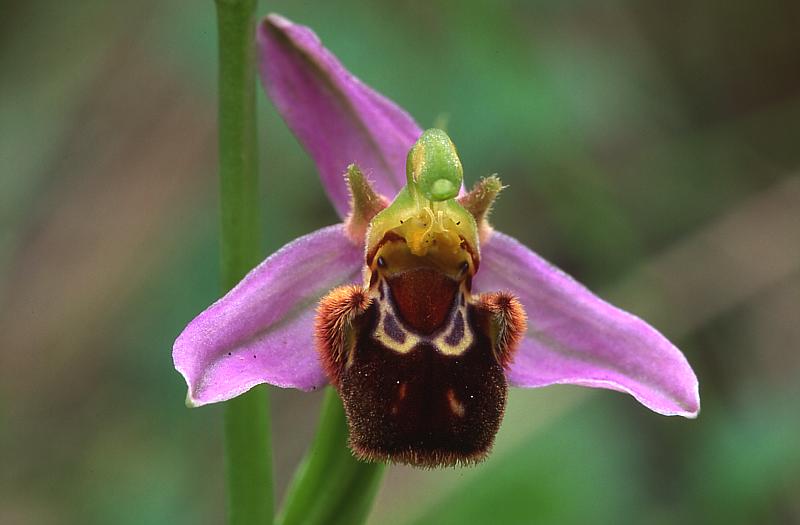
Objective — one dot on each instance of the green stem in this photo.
(331, 487)
(247, 429)
(249, 458)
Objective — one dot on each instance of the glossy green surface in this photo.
(433, 166)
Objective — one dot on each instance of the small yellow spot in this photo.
(401, 392)
(455, 405)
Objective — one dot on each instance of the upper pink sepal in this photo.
(338, 119)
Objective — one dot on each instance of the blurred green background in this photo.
(651, 149)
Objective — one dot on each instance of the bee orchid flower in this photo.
(414, 308)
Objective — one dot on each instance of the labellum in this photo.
(418, 361)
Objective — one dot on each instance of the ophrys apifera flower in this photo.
(413, 307)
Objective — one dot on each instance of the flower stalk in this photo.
(247, 427)
(331, 487)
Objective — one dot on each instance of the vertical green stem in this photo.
(247, 429)
(331, 487)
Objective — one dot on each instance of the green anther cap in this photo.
(433, 166)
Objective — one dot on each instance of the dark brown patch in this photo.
(423, 297)
(422, 408)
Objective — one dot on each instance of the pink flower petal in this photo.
(577, 338)
(338, 119)
(262, 330)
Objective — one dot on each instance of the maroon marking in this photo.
(424, 298)
(476, 261)
(373, 280)
(389, 236)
